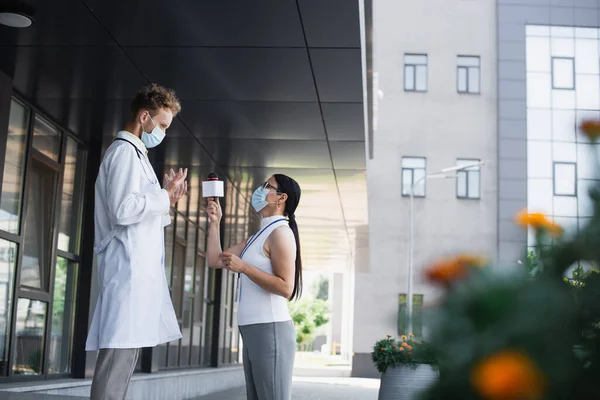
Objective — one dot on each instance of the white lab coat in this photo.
(134, 308)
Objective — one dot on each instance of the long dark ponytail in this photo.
(290, 187)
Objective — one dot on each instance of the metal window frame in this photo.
(468, 70)
(572, 59)
(574, 165)
(414, 67)
(468, 174)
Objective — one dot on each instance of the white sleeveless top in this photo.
(256, 305)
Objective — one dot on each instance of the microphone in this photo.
(212, 187)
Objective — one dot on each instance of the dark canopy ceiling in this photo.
(266, 86)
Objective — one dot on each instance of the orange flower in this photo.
(382, 349)
(508, 375)
(409, 348)
(404, 344)
(591, 129)
(388, 336)
(403, 337)
(411, 335)
(538, 221)
(401, 348)
(446, 271)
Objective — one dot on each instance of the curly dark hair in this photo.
(153, 97)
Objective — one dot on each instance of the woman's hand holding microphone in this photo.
(230, 261)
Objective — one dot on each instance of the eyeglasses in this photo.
(267, 186)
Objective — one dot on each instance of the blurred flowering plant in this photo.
(514, 334)
(390, 352)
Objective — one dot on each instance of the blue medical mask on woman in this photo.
(259, 198)
(153, 138)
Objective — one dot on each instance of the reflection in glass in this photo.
(565, 180)
(539, 159)
(177, 297)
(539, 196)
(30, 328)
(8, 257)
(194, 192)
(539, 87)
(72, 201)
(14, 168)
(538, 54)
(586, 60)
(563, 125)
(63, 317)
(563, 73)
(35, 268)
(188, 298)
(199, 309)
(209, 289)
(539, 124)
(180, 226)
(46, 138)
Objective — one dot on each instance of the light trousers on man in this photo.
(114, 368)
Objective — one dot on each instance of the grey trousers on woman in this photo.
(269, 351)
(114, 368)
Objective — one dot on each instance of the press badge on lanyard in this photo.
(248, 244)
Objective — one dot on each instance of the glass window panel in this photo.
(194, 191)
(406, 181)
(30, 333)
(565, 206)
(474, 80)
(462, 79)
(419, 174)
(421, 78)
(586, 60)
(539, 160)
(589, 33)
(474, 184)
(586, 162)
(537, 30)
(562, 31)
(539, 196)
(539, 124)
(178, 277)
(63, 317)
(409, 77)
(563, 99)
(539, 88)
(14, 168)
(199, 309)
(538, 54)
(564, 180)
(563, 125)
(563, 73)
(584, 115)
(35, 267)
(588, 92)
(566, 152)
(415, 59)
(46, 138)
(562, 47)
(72, 198)
(209, 290)
(202, 240)
(8, 257)
(461, 184)
(585, 205)
(188, 291)
(180, 226)
(468, 61)
(413, 162)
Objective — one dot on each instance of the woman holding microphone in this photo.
(269, 271)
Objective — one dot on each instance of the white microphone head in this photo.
(212, 187)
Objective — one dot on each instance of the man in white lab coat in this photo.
(134, 308)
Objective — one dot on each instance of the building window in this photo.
(565, 179)
(468, 180)
(417, 316)
(415, 72)
(563, 73)
(467, 74)
(413, 172)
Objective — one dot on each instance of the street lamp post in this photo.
(446, 173)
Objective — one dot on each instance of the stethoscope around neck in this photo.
(152, 180)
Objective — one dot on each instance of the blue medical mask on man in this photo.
(259, 197)
(153, 138)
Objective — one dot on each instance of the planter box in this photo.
(404, 383)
